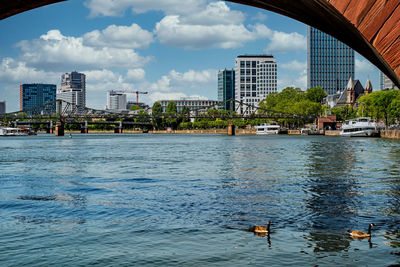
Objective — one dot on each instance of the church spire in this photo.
(368, 87)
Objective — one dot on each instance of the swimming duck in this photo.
(262, 230)
(361, 234)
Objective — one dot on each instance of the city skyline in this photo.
(171, 52)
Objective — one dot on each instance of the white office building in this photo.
(116, 100)
(194, 105)
(73, 90)
(255, 78)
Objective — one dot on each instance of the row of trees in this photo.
(295, 101)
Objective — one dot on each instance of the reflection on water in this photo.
(190, 200)
(331, 193)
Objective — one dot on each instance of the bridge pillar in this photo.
(231, 128)
(118, 128)
(59, 129)
(84, 128)
(50, 128)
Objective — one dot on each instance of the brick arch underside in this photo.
(371, 27)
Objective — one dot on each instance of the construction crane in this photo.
(132, 92)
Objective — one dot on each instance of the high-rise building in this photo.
(386, 83)
(255, 78)
(2, 107)
(330, 63)
(226, 88)
(35, 95)
(116, 100)
(73, 90)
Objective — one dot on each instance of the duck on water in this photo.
(261, 230)
(360, 234)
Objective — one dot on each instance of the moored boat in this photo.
(267, 129)
(9, 131)
(361, 127)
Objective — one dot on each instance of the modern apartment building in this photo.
(116, 100)
(73, 90)
(226, 88)
(255, 78)
(192, 104)
(35, 95)
(330, 63)
(2, 107)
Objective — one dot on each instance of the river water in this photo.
(113, 200)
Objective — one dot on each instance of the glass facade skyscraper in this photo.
(34, 95)
(226, 88)
(330, 63)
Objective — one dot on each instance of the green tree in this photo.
(394, 108)
(344, 112)
(135, 107)
(382, 101)
(157, 121)
(315, 94)
(172, 111)
(185, 114)
(142, 117)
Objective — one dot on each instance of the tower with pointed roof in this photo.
(351, 93)
(368, 88)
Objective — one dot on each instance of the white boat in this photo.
(265, 129)
(359, 127)
(9, 131)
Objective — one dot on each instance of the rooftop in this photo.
(256, 56)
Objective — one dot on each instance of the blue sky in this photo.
(169, 48)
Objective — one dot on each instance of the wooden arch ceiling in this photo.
(371, 27)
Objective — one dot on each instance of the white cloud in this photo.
(363, 66)
(191, 76)
(188, 84)
(289, 80)
(119, 37)
(135, 75)
(118, 7)
(285, 42)
(294, 65)
(102, 76)
(171, 31)
(57, 52)
(260, 17)
(12, 71)
(214, 14)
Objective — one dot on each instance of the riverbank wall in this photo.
(213, 131)
(332, 132)
(391, 134)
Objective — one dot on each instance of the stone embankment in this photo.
(332, 132)
(392, 134)
(214, 131)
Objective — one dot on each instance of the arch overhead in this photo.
(370, 27)
(9, 8)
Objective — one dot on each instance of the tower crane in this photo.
(132, 92)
